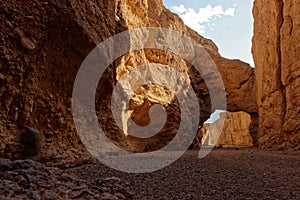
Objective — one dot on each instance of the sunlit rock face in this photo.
(234, 133)
(43, 44)
(238, 77)
(276, 50)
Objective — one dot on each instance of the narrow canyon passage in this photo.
(223, 174)
(53, 128)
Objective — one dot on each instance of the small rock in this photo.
(28, 43)
(31, 140)
(108, 196)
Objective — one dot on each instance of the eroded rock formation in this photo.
(276, 50)
(234, 133)
(42, 47)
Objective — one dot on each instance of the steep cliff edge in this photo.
(276, 50)
(42, 47)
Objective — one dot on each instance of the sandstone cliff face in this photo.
(238, 76)
(42, 47)
(234, 133)
(276, 51)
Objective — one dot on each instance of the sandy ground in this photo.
(248, 173)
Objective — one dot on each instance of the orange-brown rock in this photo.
(231, 130)
(276, 50)
(238, 77)
(42, 46)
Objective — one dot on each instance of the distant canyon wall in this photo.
(232, 129)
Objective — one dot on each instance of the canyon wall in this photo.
(234, 133)
(276, 50)
(238, 76)
(42, 47)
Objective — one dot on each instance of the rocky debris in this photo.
(276, 50)
(225, 173)
(26, 179)
(231, 130)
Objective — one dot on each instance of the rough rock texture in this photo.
(276, 50)
(42, 45)
(200, 137)
(32, 180)
(238, 76)
(235, 132)
(32, 141)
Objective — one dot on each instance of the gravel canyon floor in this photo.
(248, 173)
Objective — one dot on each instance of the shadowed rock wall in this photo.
(276, 50)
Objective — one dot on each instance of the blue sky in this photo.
(228, 23)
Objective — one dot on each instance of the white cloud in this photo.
(229, 12)
(179, 9)
(198, 20)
